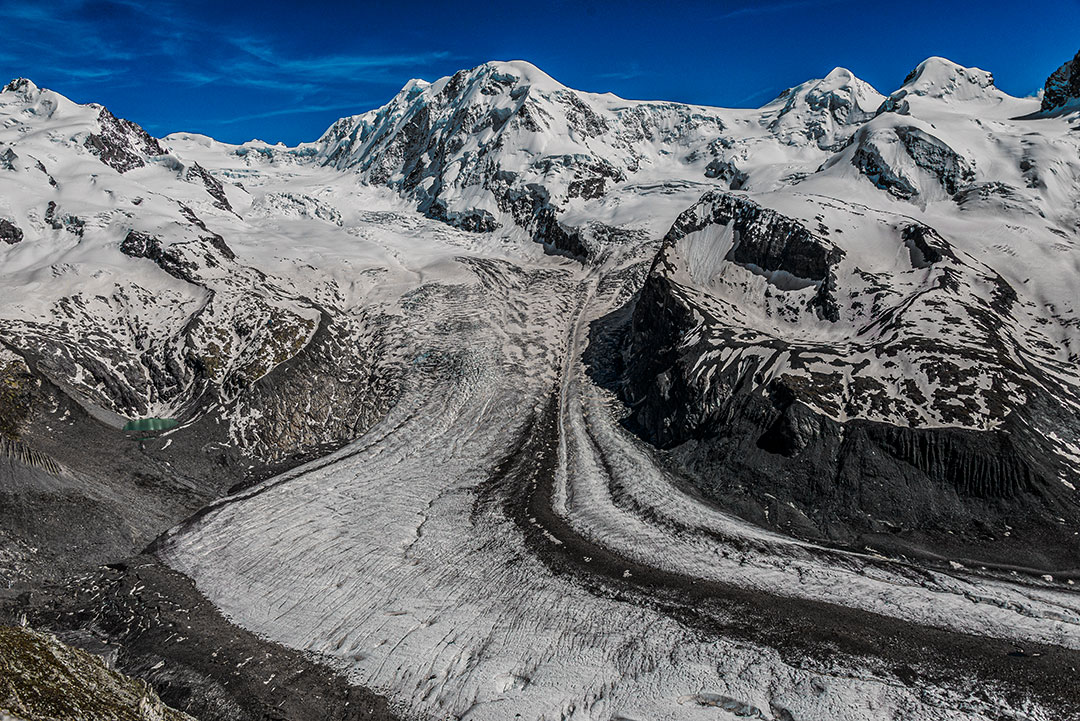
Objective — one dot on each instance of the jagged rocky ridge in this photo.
(1063, 86)
(504, 145)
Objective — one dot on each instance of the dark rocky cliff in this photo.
(1063, 85)
(758, 448)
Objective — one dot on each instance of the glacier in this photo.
(505, 400)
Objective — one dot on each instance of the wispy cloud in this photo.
(100, 39)
(63, 39)
(764, 8)
(259, 63)
(749, 101)
(234, 70)
(307, 109)
(631, 73)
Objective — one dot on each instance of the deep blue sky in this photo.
(284, 71)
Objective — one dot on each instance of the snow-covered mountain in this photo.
(901, 319)
(849, 317)
(505, 146)
(119, 285)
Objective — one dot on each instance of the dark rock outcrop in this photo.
(869, 160)
(143, 245)
(17, 85)
(122, 144)
(766, 242)
(926, 152)
(9, 232)
(773, 242)
(17, 387)
(1063, 85)
(213, 186)
(926, 245)
(766, 239)
(474, 220)
(896, 103)
(726, 171)
(7, 159)
(934, 156)
(70, 223)
(557, 237)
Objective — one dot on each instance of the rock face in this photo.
(765, 242)
(41, 678)
(142, 245)
(9, 232)
(920, 149)
(121, 144)
(213, 185)
(886, 433)
(1063, 85)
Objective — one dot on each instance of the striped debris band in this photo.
(24, 454)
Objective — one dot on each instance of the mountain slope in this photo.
(837, 231)
(885, 352)
(41, 678)
(505, 146)
(126, 291)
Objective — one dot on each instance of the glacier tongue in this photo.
(410, 567)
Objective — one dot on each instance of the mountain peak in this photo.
(839, 81)
(24, 86)
(522, 69)
(490, 76)
(937, 77)
(24, 94)
(819, 108)
(839, 74)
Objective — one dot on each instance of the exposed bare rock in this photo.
(9, 232)
(213, 186)
(122, 144)
(43, 679)
(1063, 85)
